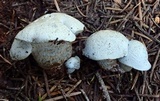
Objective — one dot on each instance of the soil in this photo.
(25, 81)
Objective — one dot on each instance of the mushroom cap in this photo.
(137, 57)
(43, 30)
(72, 23)
(72, 64)
(20, 49)
(106, 44)
(51, 27)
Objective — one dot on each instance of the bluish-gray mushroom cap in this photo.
(137, 57)
(106, 44)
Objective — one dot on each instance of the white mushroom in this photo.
(54, 27)
(105, 45)
(38, 33)
(137, 57)
(72, 64)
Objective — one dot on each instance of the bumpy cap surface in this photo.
(50, 27)
(106, 44)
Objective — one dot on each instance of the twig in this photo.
(45, 95)
(115, 21)
(1, 24)
(156, 3)
(135, 80)
(62, 92)
(137, 95)
(125, 18)
(152, 96)
(154, 64)
(57, 6)
(149, 27)
(143, 86)
(74, 86)
(59, 92)
(80, 11)
(6, 60)
(144, 32)
(24, 97)
(148, 87)
(86, 97)
(14, 88)
(115, 9)
(104, 89)
(61, 97)
(46, 83)
(126, 6)
(140, 12)
(129, 95)
(153, 21)
(19, 4)
(142, 35)
(4, 100)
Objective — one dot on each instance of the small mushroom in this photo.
(48, 38)
(104, 46)
(137, 57)
(72, 64)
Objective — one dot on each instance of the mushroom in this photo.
(38, 33)
(104, 46)
(48, 36)
(72, 64)
(137, 57)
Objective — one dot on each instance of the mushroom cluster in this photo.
(48, 38)
(105, 46)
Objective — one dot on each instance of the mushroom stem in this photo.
(50, 55)
(107, 64)
(125, 67)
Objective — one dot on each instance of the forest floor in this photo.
(25, 81)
